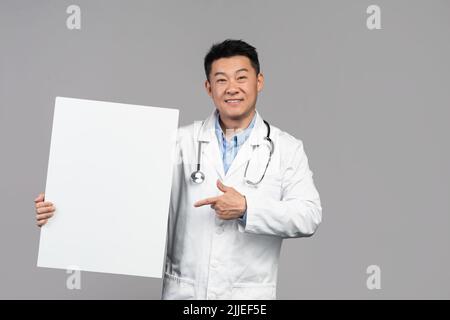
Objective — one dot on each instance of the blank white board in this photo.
(109, 177)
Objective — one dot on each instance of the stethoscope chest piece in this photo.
(197, 177)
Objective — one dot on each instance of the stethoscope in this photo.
(198, 176)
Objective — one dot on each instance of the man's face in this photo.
(233, 85)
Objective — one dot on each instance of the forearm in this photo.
(291, 218)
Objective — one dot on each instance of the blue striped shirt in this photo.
(229, 149)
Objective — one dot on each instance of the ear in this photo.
(208, 87)
(260, 82)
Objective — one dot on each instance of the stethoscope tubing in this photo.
(198, 176)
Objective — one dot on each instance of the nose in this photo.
(232, 88)
(232, 92)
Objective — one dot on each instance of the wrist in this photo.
(244, 210)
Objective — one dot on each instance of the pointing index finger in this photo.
(206, 201)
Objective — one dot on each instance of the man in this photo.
(239, 187)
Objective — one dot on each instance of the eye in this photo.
(242, 78)
(220, 80)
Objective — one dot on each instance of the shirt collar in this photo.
(241, 136)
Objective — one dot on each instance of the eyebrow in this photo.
(223, 73)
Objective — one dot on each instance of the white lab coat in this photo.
(210, 258)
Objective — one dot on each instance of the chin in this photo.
(233, 114)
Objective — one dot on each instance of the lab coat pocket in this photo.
(177, 288)
(270, 187)
(272, 179)
(250, 291)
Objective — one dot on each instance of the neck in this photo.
(233, 125)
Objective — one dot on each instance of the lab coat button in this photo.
(219, 230)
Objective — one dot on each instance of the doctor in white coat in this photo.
(233, 201)
(240, 186)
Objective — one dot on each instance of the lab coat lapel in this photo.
(246, 150)
(210, 147)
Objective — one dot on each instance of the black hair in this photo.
(231, 48)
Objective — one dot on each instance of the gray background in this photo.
(371, 107)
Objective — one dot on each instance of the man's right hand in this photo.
(44, 210)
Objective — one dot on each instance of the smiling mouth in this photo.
(233, 101)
